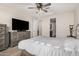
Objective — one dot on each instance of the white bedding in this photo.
(45, 46)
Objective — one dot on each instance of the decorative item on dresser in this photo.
(71, 31)
(15, 37)
(4, 38)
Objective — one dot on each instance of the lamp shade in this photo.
(70, 26)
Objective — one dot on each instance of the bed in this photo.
(45, 46)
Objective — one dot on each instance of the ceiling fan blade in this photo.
(31, 7)
(44, 10)
(47, 5)
(47, 8)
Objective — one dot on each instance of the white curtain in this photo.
(35, 24)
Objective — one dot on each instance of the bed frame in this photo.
(25, 53)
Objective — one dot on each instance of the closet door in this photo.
(39, 30)
(35, 28)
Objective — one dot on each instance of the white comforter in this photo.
(44, 46)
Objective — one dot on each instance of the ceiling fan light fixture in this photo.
(42, 6)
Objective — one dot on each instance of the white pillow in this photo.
(48, 44)
(36, 41)
(42, 43)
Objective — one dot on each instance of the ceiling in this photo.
(54, 8)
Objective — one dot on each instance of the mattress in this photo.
(45, 46)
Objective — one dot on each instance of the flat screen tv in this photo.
(19, 25)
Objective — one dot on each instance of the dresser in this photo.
(4, 37)
(15, 37)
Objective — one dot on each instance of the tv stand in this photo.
(15, 37)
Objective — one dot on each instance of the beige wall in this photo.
(63, 21)
(45, 26)
(7, 13)
(76, 19)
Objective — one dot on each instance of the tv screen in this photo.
(19, 25)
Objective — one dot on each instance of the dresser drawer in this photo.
(13, 40)
(2, 28)
(13, 33)
(2, 37)
(2, 40)
(13, 36)
(13, 44)
(2, 32)
(2, 44)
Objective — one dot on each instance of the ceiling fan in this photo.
(41, 6)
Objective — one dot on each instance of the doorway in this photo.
(53, 27)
